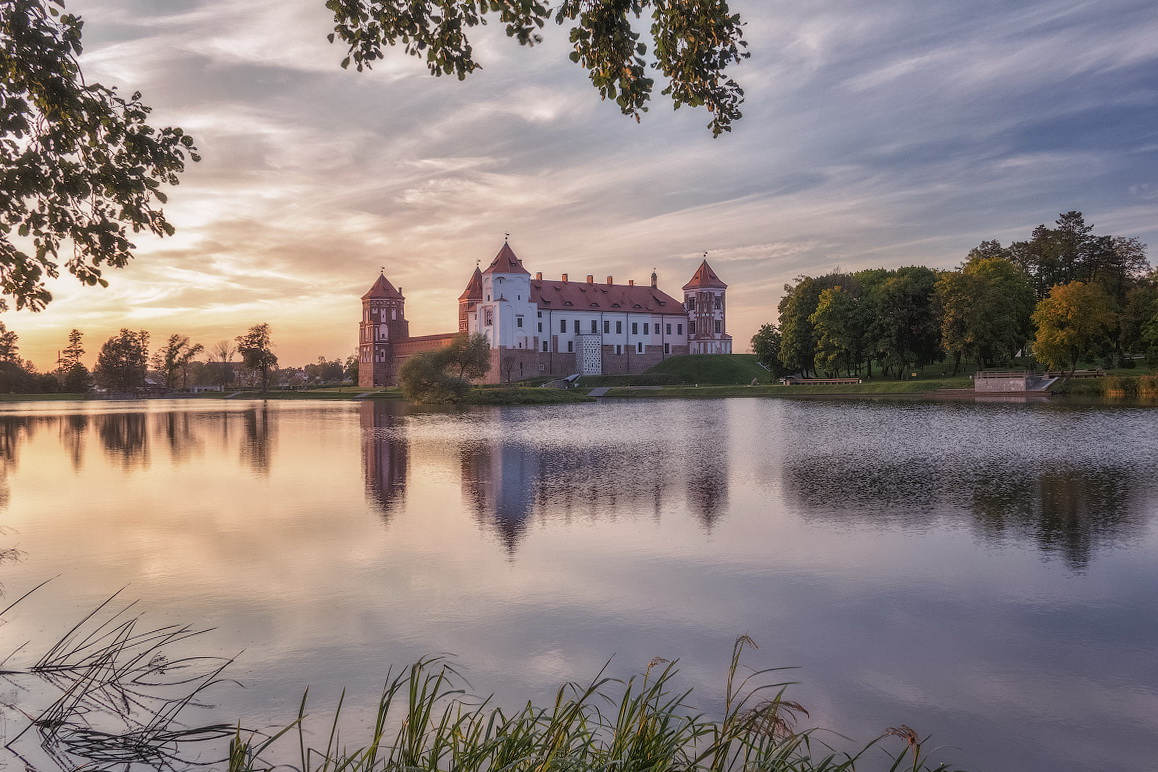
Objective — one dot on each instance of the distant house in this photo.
(552, 327)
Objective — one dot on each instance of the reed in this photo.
(426, 722)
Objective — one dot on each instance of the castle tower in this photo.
(469, 299)
(383, 323)
(704, 301)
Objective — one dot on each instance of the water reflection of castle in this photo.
(507, 483)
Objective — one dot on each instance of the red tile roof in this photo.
(705, 277)
(506, 261)
(473, 289)
(382, 289)
(581, 296)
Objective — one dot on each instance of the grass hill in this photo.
(705, 369)
(722, 369)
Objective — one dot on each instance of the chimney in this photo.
(564, 277)
(590, 279)
(609, 280)
(631, 282)
(538, 275)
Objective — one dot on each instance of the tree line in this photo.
(1065, 295)
(124, 364)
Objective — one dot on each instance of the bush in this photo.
(424, 379)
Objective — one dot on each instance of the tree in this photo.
(424, 379)
(797, 336)
(1150, 339)
(9, 351)
(74, 376)
(906, 328)
(174, 357)
(79, 164)
(350, 372)
(766, 347)
(986, 309)
(839, 324)
(256, 356)
(469, 356)
(1073, 322)
(123, 361)
(692, 43)
(221, 356)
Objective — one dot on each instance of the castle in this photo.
(547, 327)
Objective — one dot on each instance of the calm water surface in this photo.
(987, 574)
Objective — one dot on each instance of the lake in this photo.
(985, 573)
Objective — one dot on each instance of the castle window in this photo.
(691, 302)
(562, 325)
(719, 326)
(668, 330)
(635, 328)
(719, 302)
(576, 326)
(679, 329)
(691, 328)
(540, 326)
(667, 348)
(645, 328)
(594, 326)
(540, 313)
(619, 328)
(618, 348)
(518, 321)
(606, 327)
(546, 346)
(490, 317)
(639, 347)
(570, 347)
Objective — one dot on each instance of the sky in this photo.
(891, 133)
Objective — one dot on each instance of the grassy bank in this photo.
(525, 396)
(647, 723)
(882, 387)
(1110, 386)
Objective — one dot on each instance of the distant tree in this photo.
(123, 361)
(1074, 322)
(73, 375)
(325, 370)
(839, 324)
(797, 335)
(9, 350)
(424, 379)
(78, 163)
(986, 309)
(1071, 252)
(467, 356)
(507, 367)
(172, 359)
(1150, 339)
(766, 347)
(1140, 304)
(906, 327)
(221, 359)
(256, 354)
(692, 44)
(350, 372)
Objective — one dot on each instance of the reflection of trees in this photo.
(73, 429)
(385, 456)
(1070, 512)
(1067, 511)
(178, 431)
(125, 437)
(256, 451)
(13, 431)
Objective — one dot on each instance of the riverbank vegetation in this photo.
(1065, 295)
(426, 721)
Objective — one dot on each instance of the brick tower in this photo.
(383, 323)
(704, 301)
